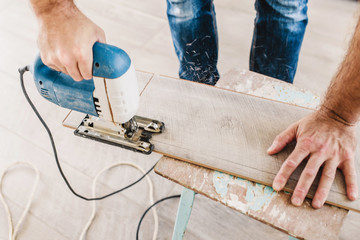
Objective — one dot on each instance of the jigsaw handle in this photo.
(114, 96)
(109, 62)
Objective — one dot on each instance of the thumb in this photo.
(283, 139)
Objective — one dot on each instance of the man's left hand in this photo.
(324, 141)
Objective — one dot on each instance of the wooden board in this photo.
(225, 130)
(245, 81)
(256, 201)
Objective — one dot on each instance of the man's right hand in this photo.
(65, 40)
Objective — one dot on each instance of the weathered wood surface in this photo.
(226, 131)
(255, 200)
(245, 81)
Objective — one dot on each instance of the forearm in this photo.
(342, 100)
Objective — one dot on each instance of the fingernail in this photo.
(296, 201)
(353, 195)
(276, 186)
(271, 148)
(316, 204)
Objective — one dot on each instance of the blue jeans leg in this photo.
(194, 33)
(278, 35)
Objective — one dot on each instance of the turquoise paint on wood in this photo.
(183, 214)
(292, 238)
(258, 195)
(221, 181)
(291, 95)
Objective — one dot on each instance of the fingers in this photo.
(53, 62)
(85, 65)
(348, 169)
(326, 180)
(283, 139)
(324, 141)
(300, 152)
(78, 66)
(73, 70)
(307, 178)
(54, 67)
(58, 67)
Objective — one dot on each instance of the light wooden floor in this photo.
(140, 27)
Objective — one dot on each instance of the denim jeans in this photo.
(278, 34)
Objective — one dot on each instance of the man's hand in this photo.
(324, 141)
(66, 38)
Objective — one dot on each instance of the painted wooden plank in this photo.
(183, 213)
(245, 81)
(256, 200)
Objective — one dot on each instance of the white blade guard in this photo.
(118, 97)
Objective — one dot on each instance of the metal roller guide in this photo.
(133, 135)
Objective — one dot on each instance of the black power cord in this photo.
(148, 209)
(22, 72)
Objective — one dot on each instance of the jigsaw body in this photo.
(110, 99)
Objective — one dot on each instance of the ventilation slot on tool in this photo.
(45, 93)
(97, 106)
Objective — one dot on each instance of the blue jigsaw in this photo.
(110, 99)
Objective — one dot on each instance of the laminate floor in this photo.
(140, 27)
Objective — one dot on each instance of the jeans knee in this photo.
(187, 9)
(288, 10)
